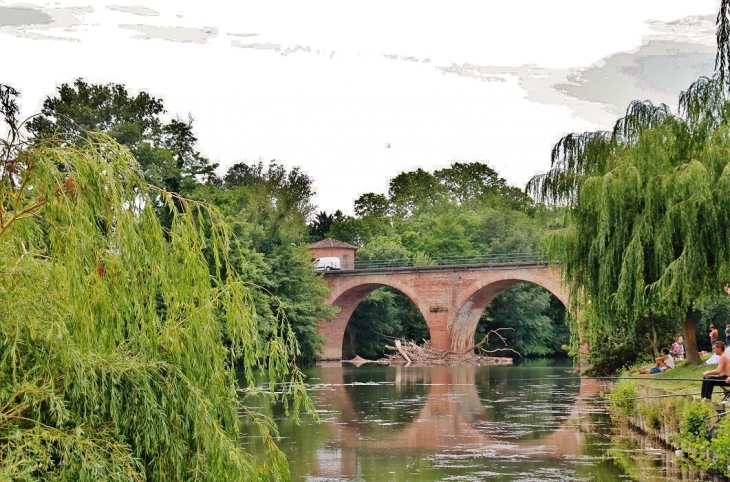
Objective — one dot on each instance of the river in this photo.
(534, 421)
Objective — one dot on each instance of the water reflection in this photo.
(530, 422)
(400, 396)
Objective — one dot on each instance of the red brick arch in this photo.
(451, 299)
(346, 296)
(473, 301)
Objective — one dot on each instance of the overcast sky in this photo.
(356, 92)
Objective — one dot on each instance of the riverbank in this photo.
(668, 406)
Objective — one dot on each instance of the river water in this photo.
(534, 421)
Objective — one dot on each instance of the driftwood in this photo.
(358, 361)
(400, 349)
(408, 352)
(486, 339)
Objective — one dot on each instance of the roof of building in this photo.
(331, 243)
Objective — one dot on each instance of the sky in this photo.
(356, 92)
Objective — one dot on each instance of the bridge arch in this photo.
(450, 298)
(347, 296)
(472, 302)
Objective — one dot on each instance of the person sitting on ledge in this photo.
(664, 362)
(718, 376)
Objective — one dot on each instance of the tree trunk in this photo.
(689, 332)
(654, 347)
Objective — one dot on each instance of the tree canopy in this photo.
(649, 210)
(166, 151)
(119, 337)
(267, 205)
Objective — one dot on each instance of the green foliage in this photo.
(693, 437)
(299, 293)
(381, 316)
(289, 192)
(382, 247)
(371, 204)
(477, 183)
(720, 446)
(374, 319)
(696, 422)
(523, 310)
(647, 227)
(114, 366)
(410, 190)
(714, 310)
(653, 413)
(617, 351)
(440, 235)
(623, 400)
(267, 207)
(351, 230)
(165, 150)
(322, 223)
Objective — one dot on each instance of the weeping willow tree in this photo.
(118, 339)
(648, 229)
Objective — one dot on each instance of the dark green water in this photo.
(536, 421)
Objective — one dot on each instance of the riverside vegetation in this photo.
(646, 243)
(656, 406)
(120, 337)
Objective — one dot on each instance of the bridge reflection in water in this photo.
(476, 411)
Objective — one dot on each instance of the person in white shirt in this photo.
(664, 362)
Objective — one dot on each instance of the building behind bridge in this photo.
(332, 247)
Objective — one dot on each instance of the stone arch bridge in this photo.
(450, 298)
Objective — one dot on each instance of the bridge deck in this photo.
(453, 267)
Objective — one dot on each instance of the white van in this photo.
(326, 264)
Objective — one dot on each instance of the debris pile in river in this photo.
(408, 352)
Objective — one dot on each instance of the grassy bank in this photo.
(685, 422)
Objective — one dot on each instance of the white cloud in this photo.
(326, 85)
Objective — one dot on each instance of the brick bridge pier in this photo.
(450, 298)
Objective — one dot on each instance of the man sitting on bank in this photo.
(664, 362)
(718, 376)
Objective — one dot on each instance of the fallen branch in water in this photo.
(486, 339)
(400, 349)
(407, 352)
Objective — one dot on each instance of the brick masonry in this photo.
(451, 300)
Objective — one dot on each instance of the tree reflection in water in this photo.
(447, 423)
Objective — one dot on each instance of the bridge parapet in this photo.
(360, 271)
(484, 259)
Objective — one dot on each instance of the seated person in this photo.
(664, 362)
(718, 376)
(680, 340)
(713, 360)
(675, 349)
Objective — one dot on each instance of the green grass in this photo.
(664, 382)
